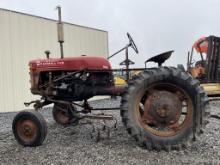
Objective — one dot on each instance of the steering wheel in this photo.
(131, 43)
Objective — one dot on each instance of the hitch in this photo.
(38, 104)
(27, 104)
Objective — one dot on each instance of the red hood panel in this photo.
(70, 63)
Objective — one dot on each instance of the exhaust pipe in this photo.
(60, 31)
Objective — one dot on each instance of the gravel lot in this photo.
(74, 145)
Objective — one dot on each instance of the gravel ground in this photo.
(74, 145)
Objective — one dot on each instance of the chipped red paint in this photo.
(70, 63)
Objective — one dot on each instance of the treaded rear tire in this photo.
(181, 67)
(171, 75)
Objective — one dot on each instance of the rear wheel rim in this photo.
(171, 129)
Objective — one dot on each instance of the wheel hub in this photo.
(162, 108)
(27, 130)
(163, 111)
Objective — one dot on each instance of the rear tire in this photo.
(29, 128)
(181, 67)
(153, 137)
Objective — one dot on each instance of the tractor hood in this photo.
(70, 63)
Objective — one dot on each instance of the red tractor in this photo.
(162, 108)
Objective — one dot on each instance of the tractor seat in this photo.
(160, 58)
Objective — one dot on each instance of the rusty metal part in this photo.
(31, 102)
(99, 116)
(65, 114)
(104, 120)
(105, 109)
(58, 101)
(63, 117)
(115, 90)
(83, 105)
(38, 104)
(181, 96)
(49, 88)
(27, 130)
(164, 109)
(86, 92)
(61, 78)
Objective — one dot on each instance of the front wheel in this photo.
(63, 114)
(162, 108)
(29, 128)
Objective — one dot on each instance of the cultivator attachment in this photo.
(102, 125)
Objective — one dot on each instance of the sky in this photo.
(155, 25)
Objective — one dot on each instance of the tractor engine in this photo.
(71, 79)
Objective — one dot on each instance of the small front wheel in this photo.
(29, 128)
(62, 114)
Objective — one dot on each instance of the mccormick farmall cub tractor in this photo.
(162, 108)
